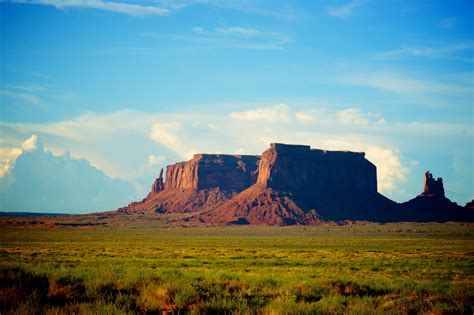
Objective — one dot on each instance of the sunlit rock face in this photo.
(203, 182)
(205, 171)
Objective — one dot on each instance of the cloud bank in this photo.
(43, 182)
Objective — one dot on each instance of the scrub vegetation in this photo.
(373, 268)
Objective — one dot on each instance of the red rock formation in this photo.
(289, 184)
(297, 185)
(158, 185)
(432, 205)
(204, 171)
(298, 168)
(261, 206)
(200, 183)
(433, 186)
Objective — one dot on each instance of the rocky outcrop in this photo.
(200, 183)
(433, 187)
(262, 206)
(432, 205)
(158, 185)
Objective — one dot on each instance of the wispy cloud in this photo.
(345, 10)
(239, 31)
(399, 83)
(21, 96)
(167, 7)
(228, 37)
(283, 114)
(274, 114)
(452, 51)
(156, 159)
(30, 94)
(262, 8)
(233, 31)
(118, 7)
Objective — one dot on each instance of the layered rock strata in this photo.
(289, 184)
(200, 183)
(300, 185)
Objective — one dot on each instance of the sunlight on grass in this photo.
(400, 268)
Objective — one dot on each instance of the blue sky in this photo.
(134, 85)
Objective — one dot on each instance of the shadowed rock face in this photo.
(298, 185)
(433, 187)
(432, 205)
(298, 168)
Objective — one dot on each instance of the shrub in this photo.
(20, 287)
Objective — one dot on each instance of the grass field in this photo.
(397, 268)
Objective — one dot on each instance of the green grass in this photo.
(396, 268)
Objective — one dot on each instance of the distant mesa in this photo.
(470, 204)
(288, 184)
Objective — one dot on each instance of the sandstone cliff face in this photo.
(205, 171)
(300, 169)
(200, 183)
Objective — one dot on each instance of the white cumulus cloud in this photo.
(7, 159)
(358, 117)
(33, 143)
(390, 170)
(169, 135)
